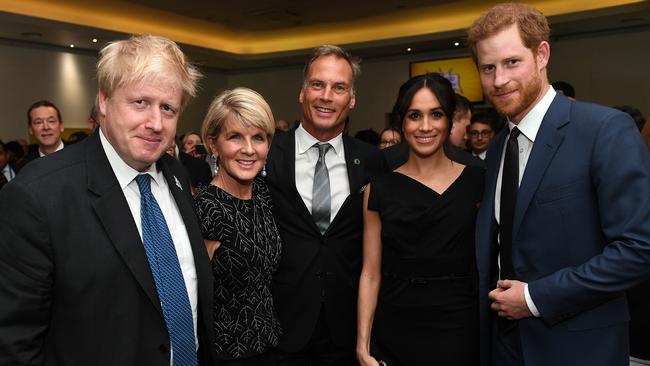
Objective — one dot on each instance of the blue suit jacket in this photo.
(581, 235)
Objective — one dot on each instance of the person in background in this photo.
(635, 113)
(368, 136)
(562, 230)
(481, 133)
(316, 175)
(93, 119)
(198, 170)
(462, 117)
(390, 136)
(281, 125)
(8, 173)
(562, 87)
(45, 125)
(417, 292)
(102, 258)
(241, 238)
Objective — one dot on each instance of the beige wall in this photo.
(606, 69)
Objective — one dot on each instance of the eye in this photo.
(167, 109)
(316, 84)
(340, 88)
(414, 116)
(513, 62)
(234, 136)
(437, 114)
(259, 138)
(487, 69)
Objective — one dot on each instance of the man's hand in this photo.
(509, 301)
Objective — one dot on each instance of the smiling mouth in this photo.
(424, 139)
(246, 163)
(324, 110)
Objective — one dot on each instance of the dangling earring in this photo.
(215, 162)
(263, 172)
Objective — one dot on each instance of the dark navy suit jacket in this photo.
(581, 235)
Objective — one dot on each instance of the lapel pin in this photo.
(178, 183)
(357, 161)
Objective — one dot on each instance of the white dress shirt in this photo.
(126, 177)
(8, 172)
(529, 126)
(306, 158)
(58, 147)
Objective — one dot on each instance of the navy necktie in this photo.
(509, 188)
(167, 274)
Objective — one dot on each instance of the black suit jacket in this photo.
(76, 288)
(318, 269)
(397, 155)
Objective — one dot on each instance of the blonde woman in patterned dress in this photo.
(239, 230)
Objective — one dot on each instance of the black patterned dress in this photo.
(245, 321)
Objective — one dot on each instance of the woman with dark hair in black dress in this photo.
(417, 291)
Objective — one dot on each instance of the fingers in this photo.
(504, 284)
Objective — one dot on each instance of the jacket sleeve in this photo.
(27, 279)
(620, 173)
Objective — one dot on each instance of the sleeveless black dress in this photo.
(427, 309)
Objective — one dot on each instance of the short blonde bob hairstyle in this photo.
(146, 57)
(244, 106)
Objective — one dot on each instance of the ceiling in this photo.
(253, 34)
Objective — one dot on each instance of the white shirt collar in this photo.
(123, 172)
(59, 147)
(304, 141)
(530, 124)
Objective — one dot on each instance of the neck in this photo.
(47, 150)
(240, 189)
(424, 165)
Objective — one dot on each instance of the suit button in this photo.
(164, 349)
(318, 274)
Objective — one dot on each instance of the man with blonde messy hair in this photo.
(102, 259)
(562, 230)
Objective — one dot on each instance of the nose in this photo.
(426, 124)
(501, 77)
(247, 147)
(327, 93)
(154, 121)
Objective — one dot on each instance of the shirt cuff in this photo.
(530, 303)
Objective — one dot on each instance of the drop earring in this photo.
(263, 172)
(215, 162)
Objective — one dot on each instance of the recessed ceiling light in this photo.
(456, 44)
(94, 40)
(71, 46)
(408, 49)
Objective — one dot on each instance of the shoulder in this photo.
(51, 169)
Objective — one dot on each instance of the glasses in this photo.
(388, 142)
(484, 133)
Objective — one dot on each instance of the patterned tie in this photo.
(509, 187)
(167, 274)
(320, 203)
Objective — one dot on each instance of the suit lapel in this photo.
(115, 215)
(546, 144)
(284, 167)
(354, 163)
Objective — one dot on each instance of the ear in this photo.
(30, 130)
(301, 96)
(61, 128)
(212, 144)
(101, 102)
(543, 55)
(353, 101)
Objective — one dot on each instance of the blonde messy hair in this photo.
(245, 106)
(146, 57)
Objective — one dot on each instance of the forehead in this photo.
(330, 68)
(424, 98)
(389, 134)
(476, 125)
(501, 45)
(158, 88)
(42, 112)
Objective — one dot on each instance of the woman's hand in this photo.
(365, 359)
(211, 246)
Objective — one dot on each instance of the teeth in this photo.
(327, 110)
